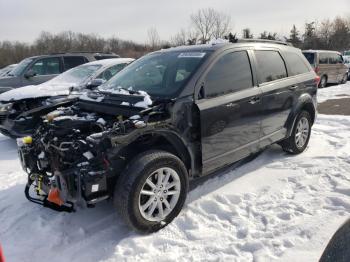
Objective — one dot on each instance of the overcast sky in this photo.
(130, 19)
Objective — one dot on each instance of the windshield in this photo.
(310, 57)
(347, 53)
(159, 74)
(77, 75)
(18, 70)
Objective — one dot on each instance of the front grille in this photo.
(2, 118)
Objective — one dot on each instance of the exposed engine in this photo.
(75, 154)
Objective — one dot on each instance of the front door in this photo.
(229, 111)
(44, 70)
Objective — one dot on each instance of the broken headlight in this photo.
(6, 107)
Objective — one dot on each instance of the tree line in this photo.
(205, 24)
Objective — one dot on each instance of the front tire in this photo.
(344, 79)
(151, 191)
(299, 139)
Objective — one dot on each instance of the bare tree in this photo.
(221, 25)
(325, 32)
(210, 23)
(179, 39)
(153, 38)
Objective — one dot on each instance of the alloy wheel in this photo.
(302, 132)
(159, 194)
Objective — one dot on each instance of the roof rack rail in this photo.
(83, 52)
(254, 40)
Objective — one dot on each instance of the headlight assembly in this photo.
(6, 107)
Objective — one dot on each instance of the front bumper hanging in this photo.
(66, 207)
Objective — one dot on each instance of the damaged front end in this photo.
(77, 153)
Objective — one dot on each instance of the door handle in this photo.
(293, 87)
(254, 100)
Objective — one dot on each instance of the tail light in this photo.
(2, 257)
(317, 80)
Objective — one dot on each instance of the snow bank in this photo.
(334, 92)
(276, 207)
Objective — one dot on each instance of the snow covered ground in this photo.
(275, 207)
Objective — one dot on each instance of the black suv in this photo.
(39, 69)
(170, 117)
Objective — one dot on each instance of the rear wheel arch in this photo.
(305, 104)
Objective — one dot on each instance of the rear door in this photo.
(332, 68)
(73, 61)
(230, 109)
(44, 69)
(278, 94)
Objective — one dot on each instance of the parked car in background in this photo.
(329, 65)
(170, 117)
(39, 69)
(21, 108)
(4, 71)
(346, 58)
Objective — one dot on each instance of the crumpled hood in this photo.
(43, 90)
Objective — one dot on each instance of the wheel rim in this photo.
(302, 132)
(323, 82)
(159, 194)
(345, 78)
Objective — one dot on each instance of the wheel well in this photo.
(169, 143)
(309, 107)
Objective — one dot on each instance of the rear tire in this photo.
(299, 139)
(143, 197)
(323, 82)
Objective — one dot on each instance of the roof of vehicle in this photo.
(217, 46)
(320, 51)
(100, 54)
(111, 61)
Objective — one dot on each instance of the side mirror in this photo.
(95, 83)
(29, 74)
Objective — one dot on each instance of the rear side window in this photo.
(323, 58)
(310, 57)
(73, 61)
(270, 66)
(230, 73)
(296, 64)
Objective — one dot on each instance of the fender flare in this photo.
(182, 147)
(305, 102)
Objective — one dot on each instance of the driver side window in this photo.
(231, 73)
(46, 66)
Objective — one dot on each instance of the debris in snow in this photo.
(147, 101)
(41, 155)
(134, 117)
(87, 96)
(88, 155)
(101, 121)
(139, 124)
